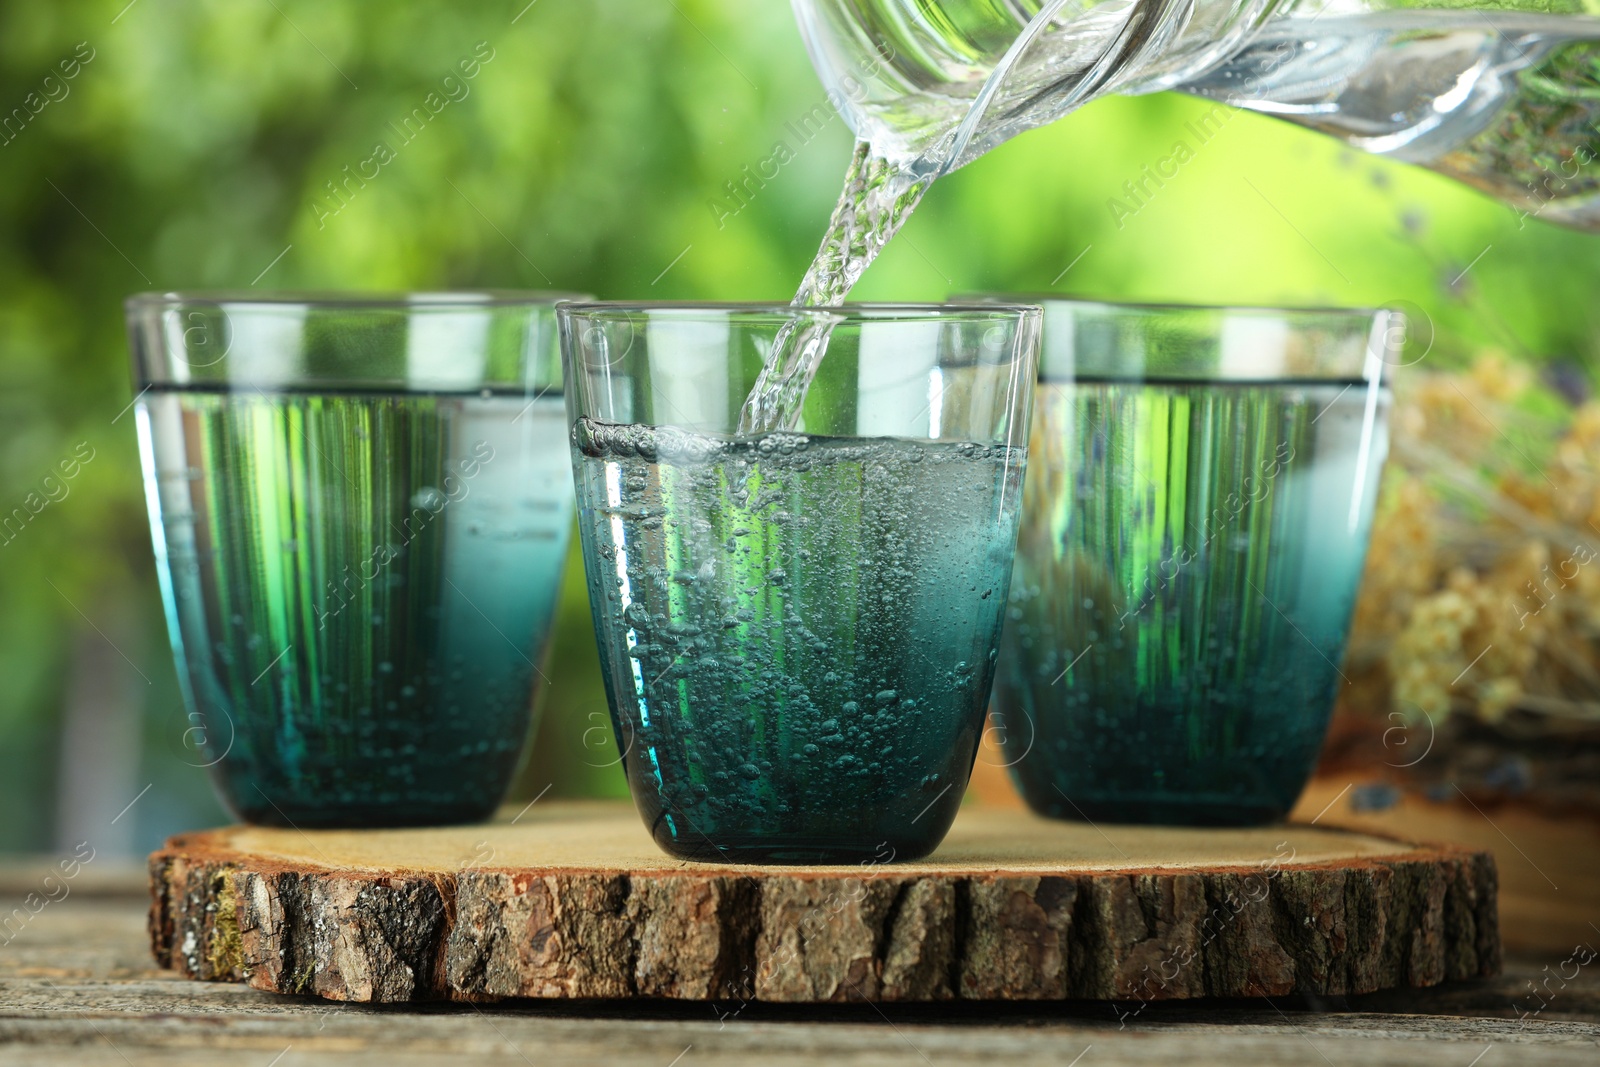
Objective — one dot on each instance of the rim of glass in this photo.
(1008, 299)
(1344, 320)
(759, 309)
(377, 300)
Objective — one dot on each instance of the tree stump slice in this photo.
(573, 900)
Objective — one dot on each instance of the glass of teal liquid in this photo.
(1195, 521)
(798, 626)
(360, 508)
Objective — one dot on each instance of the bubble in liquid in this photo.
(429, 498)
(789, 546)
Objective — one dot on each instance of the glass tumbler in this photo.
(798, 629)
(360, 507)
(1195, 521)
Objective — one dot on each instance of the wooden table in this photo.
(78, 986)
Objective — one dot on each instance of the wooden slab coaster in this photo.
(574, 900)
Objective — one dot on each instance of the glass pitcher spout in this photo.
(1503, 95)
(935, 85)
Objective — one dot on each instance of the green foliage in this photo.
(592, 150)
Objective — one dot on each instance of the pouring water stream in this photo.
(1488, 92)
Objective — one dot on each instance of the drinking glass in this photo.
(798, 628)
(360, 507)
(1195, 520)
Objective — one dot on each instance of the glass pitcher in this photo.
(1501, 94)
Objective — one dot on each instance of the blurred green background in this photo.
(195, 147)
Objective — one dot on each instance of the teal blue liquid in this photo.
(1186, 571)
(798, 634)
(358, 588)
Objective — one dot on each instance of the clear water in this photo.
(1504, 100)
(1501, 94)
(358, 587)
(797, 633)
(878, 197)
(1186, 571)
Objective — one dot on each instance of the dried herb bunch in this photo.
(1480, 606)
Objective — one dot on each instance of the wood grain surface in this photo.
(1548, 861)
(573, 901)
